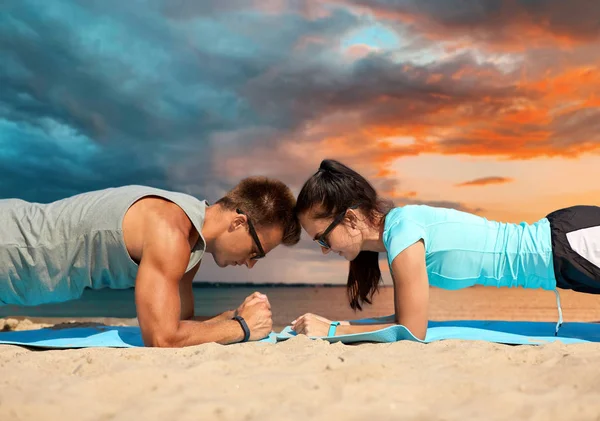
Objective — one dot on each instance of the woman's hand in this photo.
(311, 325)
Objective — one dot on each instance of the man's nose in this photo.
(325, 250)
(250, 263)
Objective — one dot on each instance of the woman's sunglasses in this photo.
(322, 238)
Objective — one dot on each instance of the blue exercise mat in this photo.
(83, 337)
(517, 333)
(504, 332)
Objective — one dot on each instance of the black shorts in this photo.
(575, 233)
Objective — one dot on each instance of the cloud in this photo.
(140, 87)
(484, 181)
(192, 96)
(203, 93)
(517, 24)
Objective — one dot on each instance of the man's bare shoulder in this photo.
(154, 217)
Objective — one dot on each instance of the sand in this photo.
(301, 379)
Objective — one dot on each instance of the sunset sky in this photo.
(492, 107)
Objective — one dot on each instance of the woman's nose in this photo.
(250, 263)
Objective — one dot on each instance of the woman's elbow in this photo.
(420, 335)
(419, 332)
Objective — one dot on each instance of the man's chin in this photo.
(220, 263)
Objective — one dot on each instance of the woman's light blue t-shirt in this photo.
(462, 250)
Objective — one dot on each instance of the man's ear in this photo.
(237, 222)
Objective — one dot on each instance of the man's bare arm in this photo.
(186, 294)
(187, 300)
(164, 260)
(226, 315)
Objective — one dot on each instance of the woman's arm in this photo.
(312, 325)
(411, 289)
(411, 300)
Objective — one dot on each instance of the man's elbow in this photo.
(188, 315)
(162, 340)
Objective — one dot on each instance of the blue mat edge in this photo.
(92, 334)
(129, 336)
(402, 333)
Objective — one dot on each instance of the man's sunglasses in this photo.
(322, 238)
(261, 252)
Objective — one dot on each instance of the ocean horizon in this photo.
(289, 301)
(210, 298)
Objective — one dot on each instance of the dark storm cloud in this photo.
(141, 92)
(496, 20)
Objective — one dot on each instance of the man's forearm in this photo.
(191, 332)
(227, 315)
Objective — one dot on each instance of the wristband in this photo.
(244, 326)
(332, 327)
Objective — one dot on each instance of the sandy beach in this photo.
(302, 379)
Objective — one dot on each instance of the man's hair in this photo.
(268, 203)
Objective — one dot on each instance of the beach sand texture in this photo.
(302, 379)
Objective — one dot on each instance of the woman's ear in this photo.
(351, 218)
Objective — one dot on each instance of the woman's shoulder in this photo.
(416, 213)
(425, 215)
(404, 226)
(402, 218)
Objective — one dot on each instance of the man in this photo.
(151, 239)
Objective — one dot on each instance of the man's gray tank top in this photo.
(51, 252)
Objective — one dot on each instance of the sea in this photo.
(330, 301)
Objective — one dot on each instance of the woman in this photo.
(445, 248)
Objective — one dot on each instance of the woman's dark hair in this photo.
(332, 190)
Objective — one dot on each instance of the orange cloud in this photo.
(555, 115)
(484, 181)
(394, 194)
(525, 103)
(358, 51)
